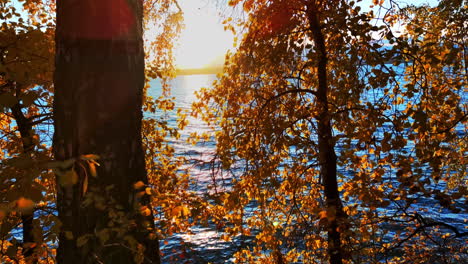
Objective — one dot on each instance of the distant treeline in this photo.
(210, 70)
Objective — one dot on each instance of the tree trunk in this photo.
(99, 80)
(25, 129)
(327, 156)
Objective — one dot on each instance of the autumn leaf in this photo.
(90, 157)
(145, 211)
(138, 185)
(323, 214)
(24, 204)
(92, 169)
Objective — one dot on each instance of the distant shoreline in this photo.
(211, 70)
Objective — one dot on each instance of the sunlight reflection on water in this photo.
(203, 237)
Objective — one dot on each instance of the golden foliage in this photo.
(398, 110)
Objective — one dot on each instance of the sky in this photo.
(203, 42)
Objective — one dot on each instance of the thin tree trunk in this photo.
(25, 129)
(327, 156)
(99, 82)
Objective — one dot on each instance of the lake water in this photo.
(204, 245)
(183, 89)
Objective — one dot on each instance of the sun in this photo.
(203, 42)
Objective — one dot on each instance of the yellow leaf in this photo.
(225, 237)
(148, 190)
(185, 210)
(317, 243)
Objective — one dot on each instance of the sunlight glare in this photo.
(203, 42)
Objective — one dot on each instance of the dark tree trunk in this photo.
(99, 80)
(327, 156)
(25, 129)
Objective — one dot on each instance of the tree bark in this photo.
(327, 155)
(99, 80)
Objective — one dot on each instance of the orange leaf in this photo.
(323, 214)
(138, 185)
(24, 204)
